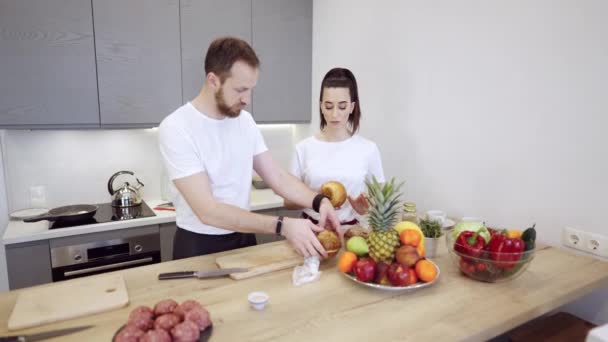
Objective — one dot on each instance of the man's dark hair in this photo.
(342, 78)
(224, 52)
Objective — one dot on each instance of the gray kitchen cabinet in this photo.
(289, 212)
(28, 264)
(47, 73)
(116, 64)
(138, 61)
(201, 22)
(282, 38)
(167, 233)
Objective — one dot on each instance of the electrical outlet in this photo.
(574, 238)
(38, 196)
(596, 244)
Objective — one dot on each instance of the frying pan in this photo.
(68, 213)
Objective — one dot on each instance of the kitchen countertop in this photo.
(336, 309)
(19, 231)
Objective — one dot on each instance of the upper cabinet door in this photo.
(47, 64)
(282, 38)
(138, 61)
(202, 21)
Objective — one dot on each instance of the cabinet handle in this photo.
(107, 267)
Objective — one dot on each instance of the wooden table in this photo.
(336, 309)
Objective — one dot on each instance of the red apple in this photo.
(398, 275)
(413, 277)
(407, 255)
(382, 274)
(365, 269)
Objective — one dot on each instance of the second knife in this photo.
(201, 274)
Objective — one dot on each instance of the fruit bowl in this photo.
(408, 288)
(490, 267)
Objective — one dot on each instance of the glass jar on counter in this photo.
(409, 212)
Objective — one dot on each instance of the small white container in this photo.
(258, 300)
(436, 215)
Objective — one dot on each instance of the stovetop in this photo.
(107, 213)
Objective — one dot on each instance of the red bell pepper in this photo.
(505, 251)
(469, 244)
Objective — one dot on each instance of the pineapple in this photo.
(383, 210)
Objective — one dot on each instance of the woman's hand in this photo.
(328, 217)
(359, 204)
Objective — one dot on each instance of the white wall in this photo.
(494, 109)
(75, 166)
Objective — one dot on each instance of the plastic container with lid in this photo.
(258, 300)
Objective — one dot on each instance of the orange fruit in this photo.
(426, 270)
(410, 237)
(347, 262)
(420, 250)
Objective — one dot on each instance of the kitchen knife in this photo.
(44, 335)
(200, 274)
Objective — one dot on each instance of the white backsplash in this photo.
(74, 166)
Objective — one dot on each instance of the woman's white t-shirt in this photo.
(350, 162)
(191, 142)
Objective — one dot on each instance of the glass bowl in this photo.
(490, 267)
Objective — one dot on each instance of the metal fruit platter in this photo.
(410, 288)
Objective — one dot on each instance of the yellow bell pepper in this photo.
(514, 233)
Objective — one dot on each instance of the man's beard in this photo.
(231, 112)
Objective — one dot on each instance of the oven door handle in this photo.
(107, 267)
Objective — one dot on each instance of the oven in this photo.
(90, 258)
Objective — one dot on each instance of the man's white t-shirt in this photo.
(350, 162)
(191, 142)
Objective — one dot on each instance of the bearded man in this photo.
(210, 146)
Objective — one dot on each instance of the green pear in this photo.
(357, 245)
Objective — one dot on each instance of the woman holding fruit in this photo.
(337, 154)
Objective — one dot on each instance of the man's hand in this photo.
(359, 204)
(328, 216)
(300, 233)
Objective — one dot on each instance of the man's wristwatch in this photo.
(279, 227)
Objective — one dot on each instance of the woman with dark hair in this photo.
(337, 152)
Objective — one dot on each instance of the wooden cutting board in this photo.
(277, 256)
(67, 300)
